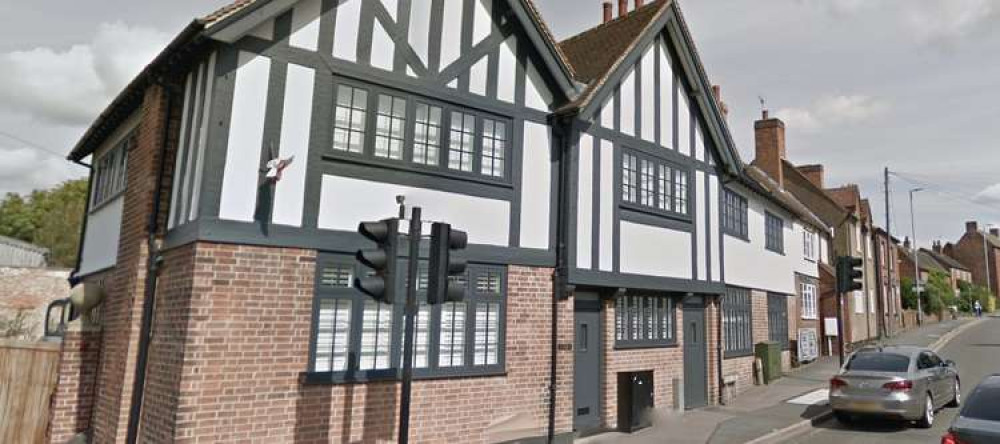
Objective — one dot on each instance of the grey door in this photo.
(587, 365)
(695, 353)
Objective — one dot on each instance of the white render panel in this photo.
(666, 99)
(713, 227)
(701, 225)
(699, 142)
(537, 95)
(391, 6)
(607, 216)
(289, 194)
(648, 94)
(823, 248)
(202, 139)
(482, 24)
(383, 48)
(626, 112)
(507, 71)
(305, 24)
(345, 34)
(536, 185)
(585, 202)
(477, 77)
(608, 113)
(451, 32)
(100, 242)
(683, 121)
(181, 149)
(420, 29)
(246, 134)
(344, 202)
(655, 251)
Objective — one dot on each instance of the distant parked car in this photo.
(979, 420)
(899, 382)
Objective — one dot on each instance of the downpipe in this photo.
(562, 126)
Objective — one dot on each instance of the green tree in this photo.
(47, 218)
(970, 293)
(909, 298)
(938, 294)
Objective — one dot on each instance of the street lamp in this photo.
(986, 256)
(916, 258)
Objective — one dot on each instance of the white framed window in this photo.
(871, 301)
(109, 172)
(809, 248)
(810, 301)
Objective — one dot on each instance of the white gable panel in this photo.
(655, 251)
(713, 226)
(626, 112)
(383, 48)
(246, 134)
(666, 98)
(699, 143)
(507, 72)
(289, 195)
(477, 77)
(700, 226)
(683, 121)
(585, 202)
(482, 24)
(344, 202)
(391, 6)
(536, 185)
(537, 95)
(202, 146)
(192, 142)
(182, 148)
(451, 32)
(648, 95)
(305, 25)
(607, 216)
(608, 113)
(420, 29)
(345, 34)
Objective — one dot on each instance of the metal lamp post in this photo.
(986, 256)
(916, 258)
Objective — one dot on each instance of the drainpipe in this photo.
(73, 279)
(563, 131)
(153, 262)
(718, 347)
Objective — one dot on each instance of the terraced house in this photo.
(592, 176)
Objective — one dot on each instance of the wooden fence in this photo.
(28, 374)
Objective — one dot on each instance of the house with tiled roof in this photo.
(979, 251)
(591, 176)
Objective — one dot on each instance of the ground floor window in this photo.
(810, 301)
(777, 319)
(643, 320)
(356, 338)
(737, 323)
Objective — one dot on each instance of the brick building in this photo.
(588, 174)
(979, 251)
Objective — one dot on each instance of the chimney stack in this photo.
(971, 227)
(622, 8)
(906, 242)
(717, 92)
(769, 138)
(814, 173)
(995, 232)
(937, 247)
(608, 12)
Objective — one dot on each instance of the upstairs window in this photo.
(462, 149)
(651, 184)
(109, 172)
(494, 146)
(734, 214)
(389, 121)
(349, 119)
(774, 233)
(427, 135)
(809, 248)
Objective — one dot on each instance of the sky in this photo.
(912, 85)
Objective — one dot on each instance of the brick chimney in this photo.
(937, 247)
(971, 227)
(608, 11)
(814, 173)
(622, 8)
(769, 138)
(906, 242)
(717, 92)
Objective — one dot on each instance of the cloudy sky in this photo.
(861, 84)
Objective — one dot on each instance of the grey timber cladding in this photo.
(515, 90)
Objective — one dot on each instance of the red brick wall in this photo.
(758, 314)
(73, 400)
(233, 327)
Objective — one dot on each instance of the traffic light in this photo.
(444, 243)
(849, 274)
(381, 286)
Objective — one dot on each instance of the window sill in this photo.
(682, 217)
(338, 378)
(782, 253)
(644, 345)
(737, 354)
(737, 236)
(400, 165)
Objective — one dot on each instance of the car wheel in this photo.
(927, 421)
(957, 400)
(843, 417)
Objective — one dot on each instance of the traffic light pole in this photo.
(840, 326)
(410, 310)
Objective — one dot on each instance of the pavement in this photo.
(762, 414)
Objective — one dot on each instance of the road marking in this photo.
(820, 396)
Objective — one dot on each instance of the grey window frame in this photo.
(735, 214)
(777, 319)
(663, 309)
(632, 193)
(737, 322)
(353, 374)
(406, 162)
(111, 173)
(774, 233)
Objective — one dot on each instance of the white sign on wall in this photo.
(830, 326)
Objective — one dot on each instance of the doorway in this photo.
(695, 353)
(587, 363)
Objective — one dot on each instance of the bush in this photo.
(970, 293)
(907, 296)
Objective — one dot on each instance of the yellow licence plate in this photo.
(868, 406)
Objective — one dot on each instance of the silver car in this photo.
(901, 382)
